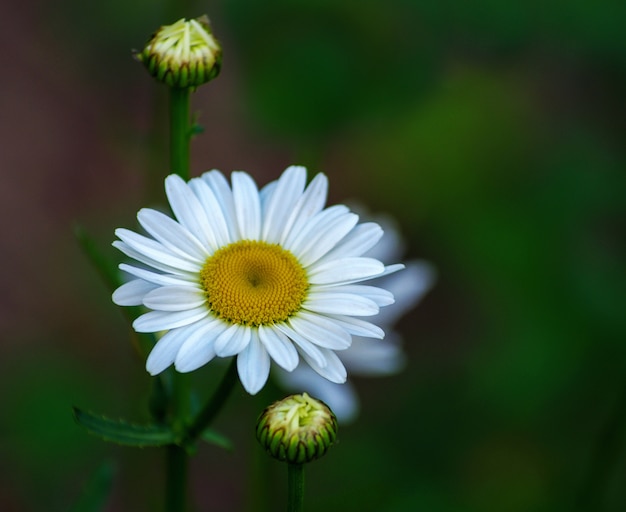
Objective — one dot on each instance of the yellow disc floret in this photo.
(254, 283)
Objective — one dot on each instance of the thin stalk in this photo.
(177, 457)
(181, 399)
(295, 482)
(180, 132)
(176, 487)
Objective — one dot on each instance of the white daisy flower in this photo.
(368, 357)
(261, 275)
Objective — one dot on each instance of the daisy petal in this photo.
(340, 304)
(149, 262)
(280, 202)
(224, 195)
(253, 365)
(358, 327)
(232, 341)
(380, 296)
(213, 210)
(132, 293)
(356, 243)
(174, 298)
(320, 330)
(153, 277)
(172, 235)
(247, 205)
(152, 252)
(185, 269)
(304, 345)
(155, 321)
(188, 211)
(279, 347)
(345, 271)
(315, 227)
(391, 269)
(334, 370)
(265, 195)
(311, 202)
(326, 238)
(198, 348)
(165, 350)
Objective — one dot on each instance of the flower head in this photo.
(261, 275)
(184, 54)
(297, 429)
(368, 357)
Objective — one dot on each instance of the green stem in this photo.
(176, 490)
(210, 410)
(180, 132)
(177, 457)
(181, 399)
(295, 479)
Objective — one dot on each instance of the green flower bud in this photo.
(297, 429)
(184, 54)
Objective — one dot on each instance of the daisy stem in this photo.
(213, 406)
(180, 131)
(177, 457)
(295, 483)
(176, 490)
(181, 399)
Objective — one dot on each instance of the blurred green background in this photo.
(494, 131)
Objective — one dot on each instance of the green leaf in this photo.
(96, 492)
(122, 432)
(212, 437)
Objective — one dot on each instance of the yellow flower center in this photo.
(254, 283)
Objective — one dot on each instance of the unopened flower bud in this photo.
(297, 429)
(184, 54)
